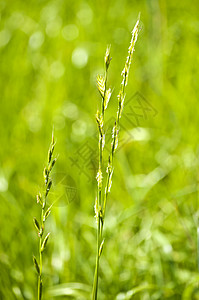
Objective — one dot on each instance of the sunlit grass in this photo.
(51, 53)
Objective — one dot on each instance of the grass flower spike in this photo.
(45, 212)
(101, 200)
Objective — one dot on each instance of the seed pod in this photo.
(36, 265)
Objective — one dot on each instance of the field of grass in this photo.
(50, 55)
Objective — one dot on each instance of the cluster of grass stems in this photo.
(103, 189)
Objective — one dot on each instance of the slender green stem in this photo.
(40, 252)
(96, 275)
(99, 189)
(41, 199)
(38, 289)
(100, 205)
(116, 127)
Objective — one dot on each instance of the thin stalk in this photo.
(41, 199)
(39, 275)
(102, 86)
(40, 253)
(96, 275)
(100, 206)
(116, 128)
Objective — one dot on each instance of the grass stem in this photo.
(40, 226)
(101, 201)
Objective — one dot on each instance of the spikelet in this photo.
(96, 210)
(99, 178)
(110, 181)
(107, 98)
(130, 50)
(101, 248)
(107, 57)
(114, 143)
(103, 141)
(121, 98)
(40, 227)
(125, 72)
(101, 85)
(100, 123)
(100, 204)
(45, 242)
(109, 167)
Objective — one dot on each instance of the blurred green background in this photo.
(50, 54)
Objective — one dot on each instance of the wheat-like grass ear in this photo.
(44, 213)
(101, 200)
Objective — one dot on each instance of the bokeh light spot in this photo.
(85, 15)
(3, 184)
(70, 110)
(79, 128)
(53, 28)
(70, 32)
(36, 40)
(57, 69)
(5, 36)
(79, 58)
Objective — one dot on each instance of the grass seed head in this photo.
(107, 57)
(101, 85)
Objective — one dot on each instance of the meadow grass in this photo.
(150, 230)
(44, 213)
(102, 195)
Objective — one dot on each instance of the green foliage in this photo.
(51, 53)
